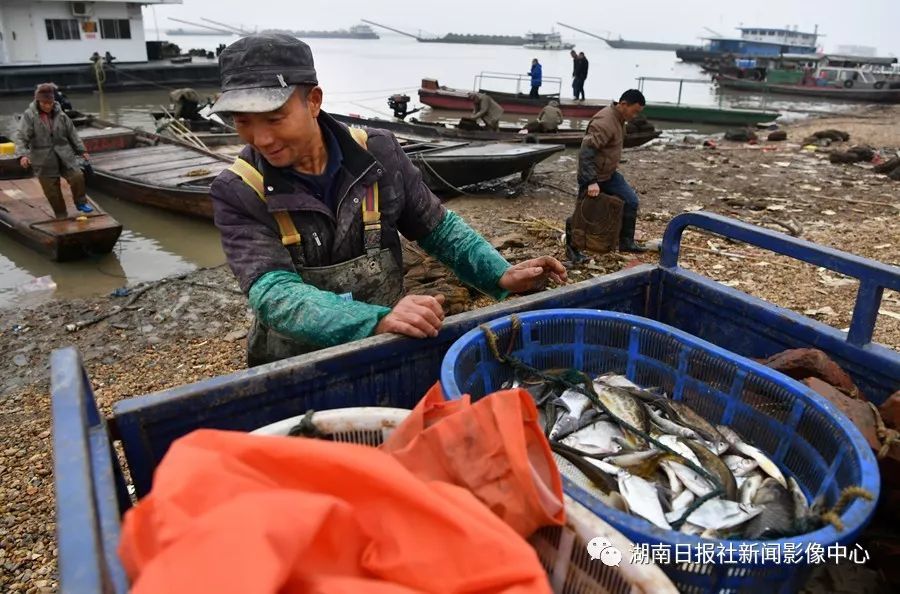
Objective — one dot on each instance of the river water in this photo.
(357, 76)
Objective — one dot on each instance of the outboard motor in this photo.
(399, 103)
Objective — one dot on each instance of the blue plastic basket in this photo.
(802, 432)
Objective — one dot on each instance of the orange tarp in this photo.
(238, 513)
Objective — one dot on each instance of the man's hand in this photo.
(532, 274)
(25, 162)
(593, 190)
(86, 156)
(418, 316)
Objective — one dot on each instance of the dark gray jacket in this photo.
(250, 236)
(51, 149)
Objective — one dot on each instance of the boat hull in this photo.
(863, 95)
(426, 131)
(456, 100)
(26, 217)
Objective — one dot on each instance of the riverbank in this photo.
(193, 326)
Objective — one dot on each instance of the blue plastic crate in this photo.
(802, 432)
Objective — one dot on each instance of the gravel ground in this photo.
(192, 327)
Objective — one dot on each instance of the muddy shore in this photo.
(192, 327)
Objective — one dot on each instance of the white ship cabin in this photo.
(788, 37)
(57, 32)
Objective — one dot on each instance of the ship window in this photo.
(115, 29)
(62, 29)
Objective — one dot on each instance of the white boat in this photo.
(546, 41)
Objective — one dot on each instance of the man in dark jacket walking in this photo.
(536, 78)
(52, 146)
(598, 162)
(311, 215)
(579, 74)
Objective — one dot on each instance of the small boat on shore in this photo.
(425, 131)
(439, 97)
(26, 216)
(157, 171)
(171, 174)
(510, 134)
(448, 165)
(883, 94)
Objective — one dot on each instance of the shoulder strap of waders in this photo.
(371, 214)
(254, 179)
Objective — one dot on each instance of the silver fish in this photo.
(596, 438)
(670, 427)
(749, 488)
(777, 515)
(765, 464)
(677, 445)
(632, 458)
(713, 464)
(643, 499)
(610, 469)
(684, 499)
(574, 403)
(738, 465)
(719, 514)
(675, 485)
(694, 482)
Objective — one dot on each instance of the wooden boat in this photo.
(429, 130)
(26, 216)
(447, 165)
(883, 95)
(438, 97)
(157, 171)
(212, 135)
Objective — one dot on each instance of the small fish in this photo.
(670, 427)
(777, 517)
(765, 464)
(719, 514)
(596, 438)
(738, 465)
(616, 381)
(677, 445)
(749, 488)
(694, 482)
(801, 503)
(689, 418)
(643, 499)
(712, 463)
(675, 485)
(626, 408)
(602, 480)
(684, 499)
(574, 403)
(633, 458)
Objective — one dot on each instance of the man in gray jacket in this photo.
(51, 144)
(488, 110)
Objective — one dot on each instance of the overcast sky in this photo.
(842, 22)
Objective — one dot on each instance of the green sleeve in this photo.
(283, 302)
(468, 254)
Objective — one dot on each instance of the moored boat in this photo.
(868, 95)
(26, 216)
(438, 97)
